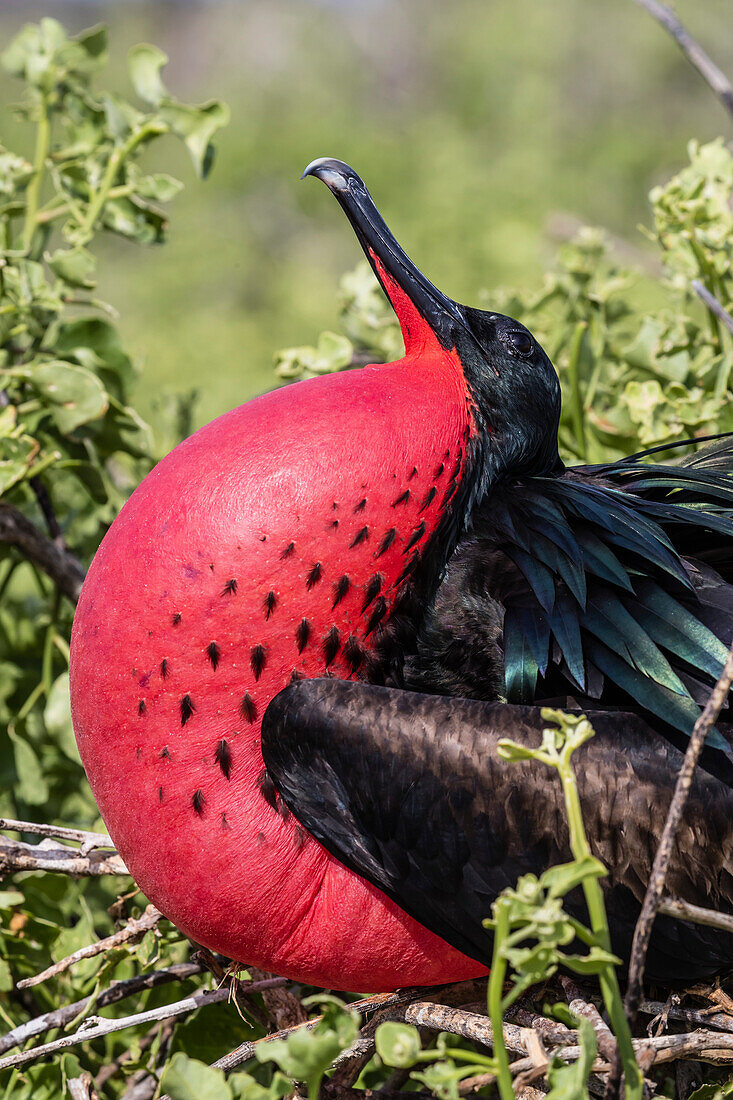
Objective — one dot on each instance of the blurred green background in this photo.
(483, 128)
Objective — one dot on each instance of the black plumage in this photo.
(594, 584)
(605, 587)
(408, 791)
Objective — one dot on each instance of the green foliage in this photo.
(631, 378)
(306, 1054)
(69, 436)
(70, 441)
(640, 362)
(570, 1081)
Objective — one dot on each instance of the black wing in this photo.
(407, 790)
(597, 583)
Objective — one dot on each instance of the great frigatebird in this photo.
(351, 526)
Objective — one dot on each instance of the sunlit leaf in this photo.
(144, 63)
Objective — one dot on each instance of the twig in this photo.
(684, 910)
(64, 569)
(281, 1005)
(49, 513)
(132, 932)
(713, 304)
(96, 1028)
(118, 991)
(165, 1027)
(88, 840)
(654, 890)
(394, 1002)
(16, 856)
(694, 53)
(468, 1024)
(550, 1030)
(82, 1088)
(581, 1006)
(719, 1020)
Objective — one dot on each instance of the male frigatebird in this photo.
(408, 524)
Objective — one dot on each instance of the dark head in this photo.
(511, 381)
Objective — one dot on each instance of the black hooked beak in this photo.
(439, 312)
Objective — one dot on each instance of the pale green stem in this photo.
(576, 396)
(494, 997)
(115, 162)
(599, 924)
(33, 191)
(48, 647)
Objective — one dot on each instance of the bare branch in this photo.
(719, 1020)
(694, 53)
(683, 910)
(132, 932)
(64, 569)
(458, 992)
(88, 840)
(470, 1025)
(281, 1005)
(118, 991)
(164, 1029)
(16, 856)
(82, 1088)
(713, 304)
(581, 1006)
(96, 1027)
(45, 503)
(653, 896)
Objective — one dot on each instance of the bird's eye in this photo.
(521, 343)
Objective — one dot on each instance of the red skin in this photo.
(223, 864)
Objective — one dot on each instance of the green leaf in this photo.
(6, 977)
(570, 1081)
(74, 395)
(134, 220)
(57, 717)
(306, 1054)
(32, 786)
(244, 1087)
(712, 1091)
(144, 63)
(196, 126)
(160, 187)
(89, 475)
(592, 963)
(398, 1044)
(9, 898)
(75, 266)
(186, 1079)
(16, 456)
(93, 41)
(8, 420)
(564, 877)
(513, 752)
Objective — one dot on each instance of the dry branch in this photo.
(96, 1027)
(82, 1088)
(132, 932)
(470, 1025)
(88, 841)
(684, 910)
(655, 888)
(118, 991)
(713, 304)
(16, 855)
(581, 1006)
(64, 569)
(692, 50)
(720, 1020)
